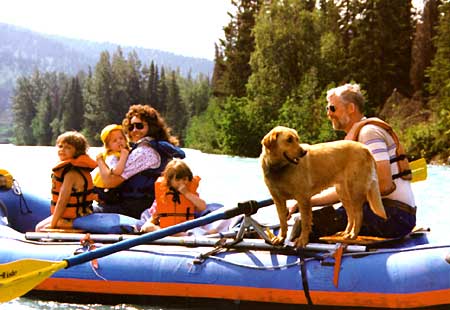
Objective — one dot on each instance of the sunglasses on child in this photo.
(139, 126)
(331, 108)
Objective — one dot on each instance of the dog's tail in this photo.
(374, 197)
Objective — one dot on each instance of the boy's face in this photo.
(116, 141)
(65, 151)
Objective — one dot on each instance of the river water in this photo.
(225, 179)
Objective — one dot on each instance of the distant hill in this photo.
(22, 50)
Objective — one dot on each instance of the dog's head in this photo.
(282, 144)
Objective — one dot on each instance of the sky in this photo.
(184, 27)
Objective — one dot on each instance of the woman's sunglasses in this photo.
(139, 126)
(331, 108)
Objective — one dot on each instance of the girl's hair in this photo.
(157, 127)
(176, 169)
(76, 139)
(108, 138)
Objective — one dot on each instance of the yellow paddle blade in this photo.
(418, 169)
(19, 277)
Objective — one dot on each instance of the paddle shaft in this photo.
(242, 208)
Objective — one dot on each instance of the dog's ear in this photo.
(270, 139)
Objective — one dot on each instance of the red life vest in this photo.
(80, 203)
(172, 207)
(404, 171)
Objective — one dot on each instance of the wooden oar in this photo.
(19, 277)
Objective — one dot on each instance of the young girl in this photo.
(115, 154)
(176, 198)
(72, 187)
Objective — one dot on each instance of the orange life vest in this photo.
(80, 203)
(404, 171)
(171, 206)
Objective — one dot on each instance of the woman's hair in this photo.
(157, 127)
(76, 139)
(176, 169)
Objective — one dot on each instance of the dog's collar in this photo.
(296, 159)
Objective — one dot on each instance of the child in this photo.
(176, 198)
(72, 187)
(115, 154)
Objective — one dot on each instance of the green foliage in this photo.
(41, 122)
(287, 38)
(236, 49)
(45, 105)
(203, 130)
(439, 86)
(305, 111)
(379, 59)
(176, 115)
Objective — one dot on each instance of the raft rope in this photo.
(22, 202)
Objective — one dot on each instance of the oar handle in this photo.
(248, 208)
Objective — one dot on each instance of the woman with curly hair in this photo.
(153, 147)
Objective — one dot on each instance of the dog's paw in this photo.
(301, 241)
(277, 240)
(340, 234)
(348, 235)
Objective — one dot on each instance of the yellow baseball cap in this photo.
(107, 130)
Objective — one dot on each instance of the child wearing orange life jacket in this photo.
(115, 154)
(176, 198)
(72, 186)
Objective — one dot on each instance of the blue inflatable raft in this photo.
(409, 273)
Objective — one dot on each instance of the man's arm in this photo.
(385, 182)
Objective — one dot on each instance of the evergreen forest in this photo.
(273, 67)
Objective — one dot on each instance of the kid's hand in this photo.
(124, 152)
(182, 189)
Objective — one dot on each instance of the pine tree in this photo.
(218, 78)
(24, 110)
(153, 81)
(423, 49)
(237, 48)
(134, 80)
(99, 107)
(120, 99)
(40, 124)
(163, 93)
(380, 51)
(176, 114)
(73, 107)
(439, 72)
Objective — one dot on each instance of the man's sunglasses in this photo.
(139, 126)
(331, 108)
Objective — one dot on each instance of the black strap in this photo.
(400, 174)
(398, 158)
(304, 277)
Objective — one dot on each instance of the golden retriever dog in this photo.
(299, 171)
